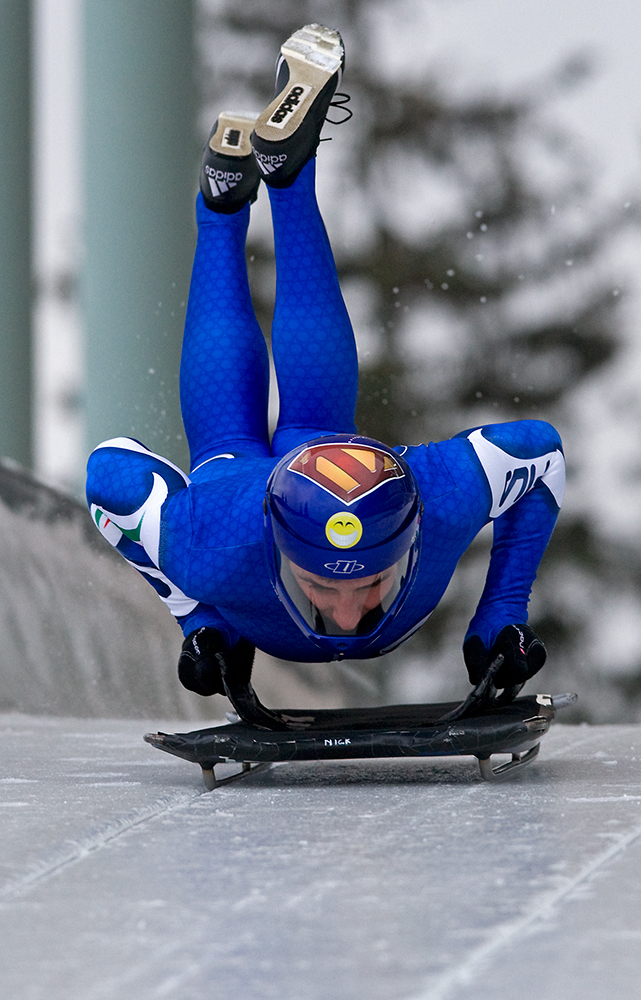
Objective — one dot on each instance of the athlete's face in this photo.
(346, 601)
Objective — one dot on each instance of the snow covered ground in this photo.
(398, 880)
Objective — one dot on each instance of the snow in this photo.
(398, 880)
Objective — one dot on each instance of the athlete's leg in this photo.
(224, 374)
(312, 338)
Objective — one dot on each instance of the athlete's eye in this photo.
(313, 585)
(379, 581)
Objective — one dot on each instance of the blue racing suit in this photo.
(198, 538)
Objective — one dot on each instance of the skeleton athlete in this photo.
(319, 544)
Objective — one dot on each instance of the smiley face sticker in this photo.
(344, 530)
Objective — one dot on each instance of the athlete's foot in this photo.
(229, 176)
(287, 133)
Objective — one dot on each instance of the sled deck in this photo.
(479, 727)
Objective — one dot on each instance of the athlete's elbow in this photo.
(549, 437)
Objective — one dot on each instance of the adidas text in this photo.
(230, 176)
(286, 108)
(274, 159)
(269, 163)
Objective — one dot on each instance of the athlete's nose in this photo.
(347, 614)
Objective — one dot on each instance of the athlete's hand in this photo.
(523, 656)
(205, 659)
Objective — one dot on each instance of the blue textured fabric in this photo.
(224, 371)
(224, 374)
(199, 540)
(312, 339)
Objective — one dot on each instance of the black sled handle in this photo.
(484, 696)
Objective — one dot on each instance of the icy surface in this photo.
(398, 880)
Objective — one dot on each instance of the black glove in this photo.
(523, 656)
(205, 660)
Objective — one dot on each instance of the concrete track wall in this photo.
(81, 634)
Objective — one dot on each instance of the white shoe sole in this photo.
(313, 54)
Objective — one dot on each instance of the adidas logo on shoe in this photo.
(307, 74)
(286, 108)
(223, 175)
(269, 162)
(221, 181)
(229, 175)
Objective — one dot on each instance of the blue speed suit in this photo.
(199, 538)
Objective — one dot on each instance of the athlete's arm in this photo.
(525, 470)
(128, 487)
(127, 490)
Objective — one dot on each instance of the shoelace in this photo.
(340, 101)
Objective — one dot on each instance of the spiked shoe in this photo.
(229, 176)
(287, 133)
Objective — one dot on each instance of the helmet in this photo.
(341, 527)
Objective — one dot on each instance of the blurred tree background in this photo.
(475, 257)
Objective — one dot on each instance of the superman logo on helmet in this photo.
(347, 471)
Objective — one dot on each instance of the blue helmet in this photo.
(341, 524)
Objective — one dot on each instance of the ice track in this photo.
(120, 877)
(385, 880)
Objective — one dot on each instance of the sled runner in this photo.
(486, 723)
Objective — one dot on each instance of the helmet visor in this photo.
(342, 607)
